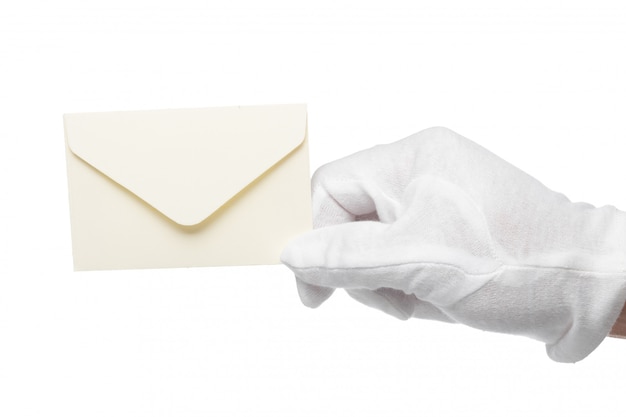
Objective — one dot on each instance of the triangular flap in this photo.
(186, 163)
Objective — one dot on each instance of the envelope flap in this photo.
(186, 163)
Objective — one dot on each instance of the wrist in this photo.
(619, 328)
(618, 232)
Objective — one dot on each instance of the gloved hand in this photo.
(435, 226)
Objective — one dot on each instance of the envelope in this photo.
(187, 187)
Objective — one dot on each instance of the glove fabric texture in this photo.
(434, 226)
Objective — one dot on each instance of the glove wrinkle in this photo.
(386, 300)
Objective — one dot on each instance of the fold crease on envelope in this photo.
(187, 187)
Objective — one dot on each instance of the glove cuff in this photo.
(601, 299)
(619, 328)
(596, 298)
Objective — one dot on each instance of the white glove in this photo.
(435, 226)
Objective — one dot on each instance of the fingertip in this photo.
(305, 251)
(312, 296)
(291, 255)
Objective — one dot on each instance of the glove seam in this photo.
(501, 267)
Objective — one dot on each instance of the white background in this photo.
(542, 84)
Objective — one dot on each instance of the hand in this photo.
(435, 226)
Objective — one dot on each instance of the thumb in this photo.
(372, 255)
(349, 255)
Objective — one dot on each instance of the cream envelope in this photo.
(182, 188)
